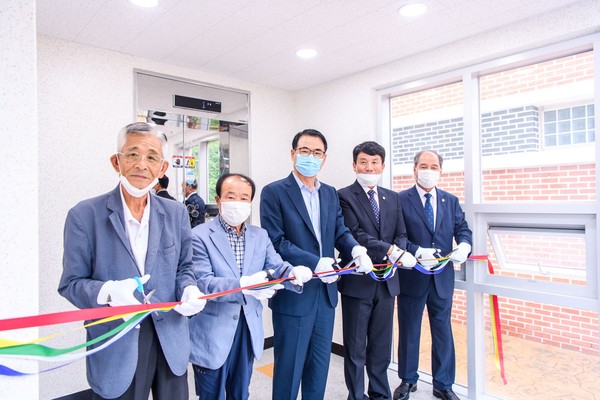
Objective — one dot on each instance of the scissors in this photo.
(140, 288)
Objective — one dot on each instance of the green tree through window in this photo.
(213, 169)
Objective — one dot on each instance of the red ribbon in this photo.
(104, 312)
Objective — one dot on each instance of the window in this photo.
(567, 126)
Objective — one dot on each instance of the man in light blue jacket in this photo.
(229, 254)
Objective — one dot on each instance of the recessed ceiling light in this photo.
(306, 53)
(145, 3)
(412, 10)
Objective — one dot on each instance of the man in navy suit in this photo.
(228, 254)
(194, 203)
(304, 220)
(434, 219)
(374, 216)
(114, 244)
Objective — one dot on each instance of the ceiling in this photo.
(256, 40)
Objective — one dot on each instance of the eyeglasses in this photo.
(305, 151)
(133, 157)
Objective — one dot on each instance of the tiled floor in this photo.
(533, 370)
(260, 386)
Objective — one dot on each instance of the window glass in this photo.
(429, 119)
(537, 132)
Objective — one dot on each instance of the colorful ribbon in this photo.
(495, 322)
(133, 314)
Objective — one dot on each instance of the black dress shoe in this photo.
(402, 392)
(447, 394)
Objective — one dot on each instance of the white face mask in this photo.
(368, 180)
(132, 190)
(428, 178)
(234, 213)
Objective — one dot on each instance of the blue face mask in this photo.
(308, 166)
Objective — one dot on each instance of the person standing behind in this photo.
(304, 220)
(161, 188)
(194, 203)
(114, 244)
(374, 216)
(433, 219)
(228, 254)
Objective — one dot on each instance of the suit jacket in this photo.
(377, 238)
(213, 330)
(196, 209)
(163, 193)
(450, 224)
(96, 249)
(283, 214)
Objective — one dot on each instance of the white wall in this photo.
(19, 200)
(85, 97)
(86, 94)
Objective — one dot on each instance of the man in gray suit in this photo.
(229, 254)
(114, 244)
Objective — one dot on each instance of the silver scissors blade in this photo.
(147, 296)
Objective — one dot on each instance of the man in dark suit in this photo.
(194, 203)
(304, 220)
(374, 216)
(161, 188)
(434, 219)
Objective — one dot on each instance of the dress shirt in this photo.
(433, 193)
(137, 232)
(312, 203)
(374, 188)
(237, 242)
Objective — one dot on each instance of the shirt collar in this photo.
(421, 192)
(302, 185)
(127, 213)
(366, 189)
(230, 229)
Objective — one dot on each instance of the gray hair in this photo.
(418, 155)
(141, 128)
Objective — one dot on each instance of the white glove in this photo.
(408, 260)
(254, 279)
(263, 294)
(461, 253)
(120, 293)
(325, 264)
(191, 303)
(402, 256)
(301, 274)
(427, 257)
(362, 260)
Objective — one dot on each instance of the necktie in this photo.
(429, 211)
(374, 204)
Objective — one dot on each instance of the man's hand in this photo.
(301, 274)
(362, 260)
(191, 304)
(120, 293)
(427, 257)
(461, 253)
(325, 264)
